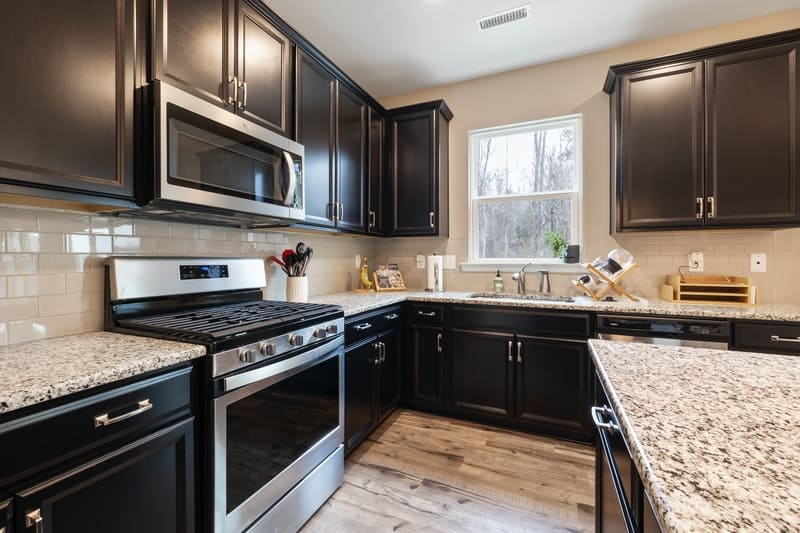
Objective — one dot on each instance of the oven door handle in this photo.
(274, 372)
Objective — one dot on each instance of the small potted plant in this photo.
(557, 243)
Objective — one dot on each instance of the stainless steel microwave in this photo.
(211, 165)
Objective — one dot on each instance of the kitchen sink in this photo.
(508, 296)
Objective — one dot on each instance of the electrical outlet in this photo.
(420, 261)
(449, 262)
(358, 261)
(696, 262)
(758, 262)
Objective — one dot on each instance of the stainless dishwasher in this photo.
(692, 332)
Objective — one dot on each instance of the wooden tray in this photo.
(713, 290)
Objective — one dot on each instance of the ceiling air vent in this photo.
(517, 13)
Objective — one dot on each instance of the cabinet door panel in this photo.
(660, 173)
(553, 384)
(359, 385)
(145, 486)
(68, 85)
(377, 128)
(426, 379)
(264, 63)
(351, 159)
(389, 372)
(194, 46)
(315, 130)
(753, 121)
(481, 373)
(413, 173)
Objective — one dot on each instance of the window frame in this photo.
(575, 195)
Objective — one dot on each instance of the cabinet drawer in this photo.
(767, 337)
(58, 435)
(425, 315)
(371, 323)
(537, 323)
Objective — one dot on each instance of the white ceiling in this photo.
(395, 46)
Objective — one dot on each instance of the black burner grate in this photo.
(222, 321)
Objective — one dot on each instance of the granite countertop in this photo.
(38, 371)
(714, 434)
(355, 303)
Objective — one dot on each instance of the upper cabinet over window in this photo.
(228, 53)
(708, 139)
(68, 83)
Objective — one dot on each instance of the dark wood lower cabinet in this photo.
(389, 373)
(145, 486)
(481, 373)
(552, 385)
(359, 378)
(425, 368)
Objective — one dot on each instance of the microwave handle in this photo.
(289, 198)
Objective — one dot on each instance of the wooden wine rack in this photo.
(612, 283)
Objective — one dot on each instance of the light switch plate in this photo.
(758, 262)
(449, 262)
(696, 262)
(358, 261)
(420, 261)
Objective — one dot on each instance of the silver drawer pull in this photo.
(510, 348)
(778, 338)
(362, 327)
(34, 519)
(426, 313)
(597, 418)
(393, 316)
(104, 420)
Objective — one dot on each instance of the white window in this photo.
(525, 183)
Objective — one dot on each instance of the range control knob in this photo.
(320, 333)
(296, 340)
(267, 349)
(332, 328)
(247, 355)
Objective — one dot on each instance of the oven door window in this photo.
(268, 430)
(211, 157)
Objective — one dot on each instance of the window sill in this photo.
(551, 265)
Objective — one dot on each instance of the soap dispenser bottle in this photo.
(498, 283)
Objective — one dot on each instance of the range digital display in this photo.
(203, 271)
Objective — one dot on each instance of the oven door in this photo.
(211, 157)
(272, 426)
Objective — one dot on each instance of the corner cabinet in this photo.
(418, 170)
(67, 127)
(226, 52)
(709, 138)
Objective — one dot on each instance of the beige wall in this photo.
(574, 86)
(51, 263)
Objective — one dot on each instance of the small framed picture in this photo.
(388, 278)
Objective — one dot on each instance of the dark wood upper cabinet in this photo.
(315, 128)
(351, 158)
(376, 170)
(753, 122)
(419, 159)
(708, 138)
(193, 47)
(659, 166)
(264, 67)
(68, 89)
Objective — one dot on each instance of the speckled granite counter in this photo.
(354, 303)
(714, 434)
(37, 371)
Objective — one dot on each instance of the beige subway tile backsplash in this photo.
(38, 328)
(43, 284)
(17, 308)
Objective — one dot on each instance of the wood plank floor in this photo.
(419, 472)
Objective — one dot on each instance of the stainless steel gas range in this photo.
(274, 394)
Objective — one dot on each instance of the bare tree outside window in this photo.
(525, 181)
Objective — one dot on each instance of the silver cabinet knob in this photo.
(320, 333)
(332, 329)
(267, 349)
(247, 355)
(296, 340)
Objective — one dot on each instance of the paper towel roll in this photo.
(435, 273)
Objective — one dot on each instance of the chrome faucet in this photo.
(519, 277)
(544, 281)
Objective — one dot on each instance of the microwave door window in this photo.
(208, 161)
